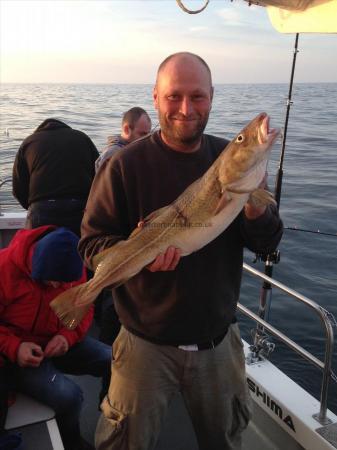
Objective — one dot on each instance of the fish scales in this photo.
(203, 211)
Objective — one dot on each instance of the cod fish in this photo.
(202, 212)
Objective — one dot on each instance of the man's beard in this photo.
(177, 135)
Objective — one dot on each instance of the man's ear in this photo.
(155, 97)
(126, 131)
(212, 92)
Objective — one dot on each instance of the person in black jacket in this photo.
(52, 175)
(179, 334)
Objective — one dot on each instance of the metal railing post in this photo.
(329, 339)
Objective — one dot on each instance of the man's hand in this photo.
(29, 355)
(165, 261)
(57, 346)
(253, 211)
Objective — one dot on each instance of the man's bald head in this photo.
(183, 98)
(183, 58)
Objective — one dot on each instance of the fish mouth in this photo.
(265, 133)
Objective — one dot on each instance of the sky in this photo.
(113, 41)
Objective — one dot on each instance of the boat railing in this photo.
(326, 319)
(3, 181)
(12, 202)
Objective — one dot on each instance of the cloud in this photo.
(231, 17)
(241, 15)
(197, 29)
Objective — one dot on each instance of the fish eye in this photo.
(240, 138)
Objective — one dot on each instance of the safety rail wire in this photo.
(5, 180)
(329, 340)
(2, 182)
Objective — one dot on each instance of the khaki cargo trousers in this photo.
(145, 378)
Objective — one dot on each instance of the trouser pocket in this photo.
(240, 416)
(111, 431)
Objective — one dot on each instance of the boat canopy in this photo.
(302, 16)
(291, 5)
(293, 16)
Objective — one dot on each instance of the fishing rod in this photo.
(279, 177)
(273, 258)
(323, 233)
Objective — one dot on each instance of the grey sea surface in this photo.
(309, 194)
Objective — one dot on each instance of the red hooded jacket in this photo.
(25, 315)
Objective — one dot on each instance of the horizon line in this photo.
(151, 84)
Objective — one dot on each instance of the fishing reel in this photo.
(268, 259)
(262, 347)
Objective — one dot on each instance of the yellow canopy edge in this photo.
(319, 18)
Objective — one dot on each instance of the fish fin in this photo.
(72, 305)
(261, 197)
(142, 223)
(97, 259)
(72, 318)
(237, 191)
(137, 230)
(156, 213)
(224, 200)
(149, 218)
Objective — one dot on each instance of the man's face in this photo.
(142, 128)
(183, 98)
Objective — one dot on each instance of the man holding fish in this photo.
(182, 196)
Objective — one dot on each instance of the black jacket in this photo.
(197, 301)
(55, 162)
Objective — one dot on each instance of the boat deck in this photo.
(265, 432)
(177, 432)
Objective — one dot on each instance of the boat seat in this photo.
(26, 412)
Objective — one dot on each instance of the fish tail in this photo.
(73, 304)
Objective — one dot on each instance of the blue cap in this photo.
(56, 257)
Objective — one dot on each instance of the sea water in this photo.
(309, 191)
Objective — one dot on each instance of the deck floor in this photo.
(177, 432)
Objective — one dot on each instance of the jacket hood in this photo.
(20, 249)
(116, 140)
(51, 124)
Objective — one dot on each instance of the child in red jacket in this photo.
(35, 348)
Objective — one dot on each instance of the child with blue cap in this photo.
(56, 257)
(35, 348)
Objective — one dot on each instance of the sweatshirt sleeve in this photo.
(262, 235)
(93, 149)
(9, 344)
(21, 179)
(105, 219)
